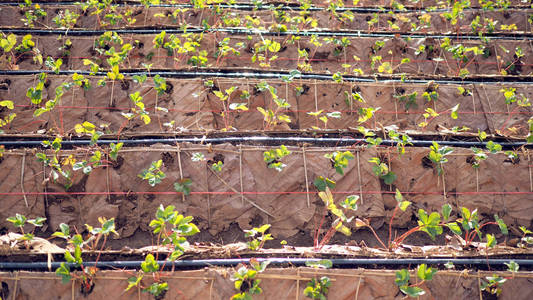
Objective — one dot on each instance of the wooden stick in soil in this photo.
(112, 90)
(180, 169)
(22, 178)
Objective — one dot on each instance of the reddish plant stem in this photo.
(390, 226)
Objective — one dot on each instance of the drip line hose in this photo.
(242, 31)
(202, 263)
(267, 6)
(331, 141)
(210, 73)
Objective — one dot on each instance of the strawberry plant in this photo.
(438, 156)
(138, 110)
(318, 288)
(493, 284)
(20, 221)
(172, 230)
(53, 162)
(273, 158)
(183, 186)
(339, 224)
(76, 241)
(66, 19)
(339, 160)
(423, 272)
(258, 237)
(381, 170)
(246, 281)
(153, 174)
(32, 14)
(273, 117)
(9, 118)
(262, 50)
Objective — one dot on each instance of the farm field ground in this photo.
(309, 149)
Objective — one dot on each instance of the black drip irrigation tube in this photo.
(242, 31)
(202, 263)
(211, 73)
(268, 140)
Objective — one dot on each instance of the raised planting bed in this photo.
(246, 191)
(361, 3)
(199, 105)
(276, 283)
(276, 19)
(455, 58)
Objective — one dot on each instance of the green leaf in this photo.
(37, 221)
(454, 227)
(320, 264)
(412, 291)
(321, 183)
(501, 224)
(64, 272)
(491, 240)
(402, 277)
(454, 113)
(403, 205)
(512, 266)
(389, 178)
(7, 103)
(149, 264)
(446, 211)
(425, 273)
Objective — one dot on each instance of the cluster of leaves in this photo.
(172, 230)
(258, 237)
(246, 281)
(273, 158)
(403, 277)
(341, 221)
(153, 174)
(340, 160)
(20, 221)
(78, 243)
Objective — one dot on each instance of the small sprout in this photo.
(493, 284)
(340, 160)
(381, 170)
(494, 147)
(318, 288)
(322, 183)
(423, 272)
(449, 265)
(183, 186)
(217, 166)
(512, 266)
(154, 175)
(246, 282)
(115, 148)
(319, 264)
(258, 236)
(272, 158)
(197, 156)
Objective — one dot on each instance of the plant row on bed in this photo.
(275, 18)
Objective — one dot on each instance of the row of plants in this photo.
(359, 56)
(171, 230)
(270, 104)
(275, 18)
(65, 166)
(71, 171)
